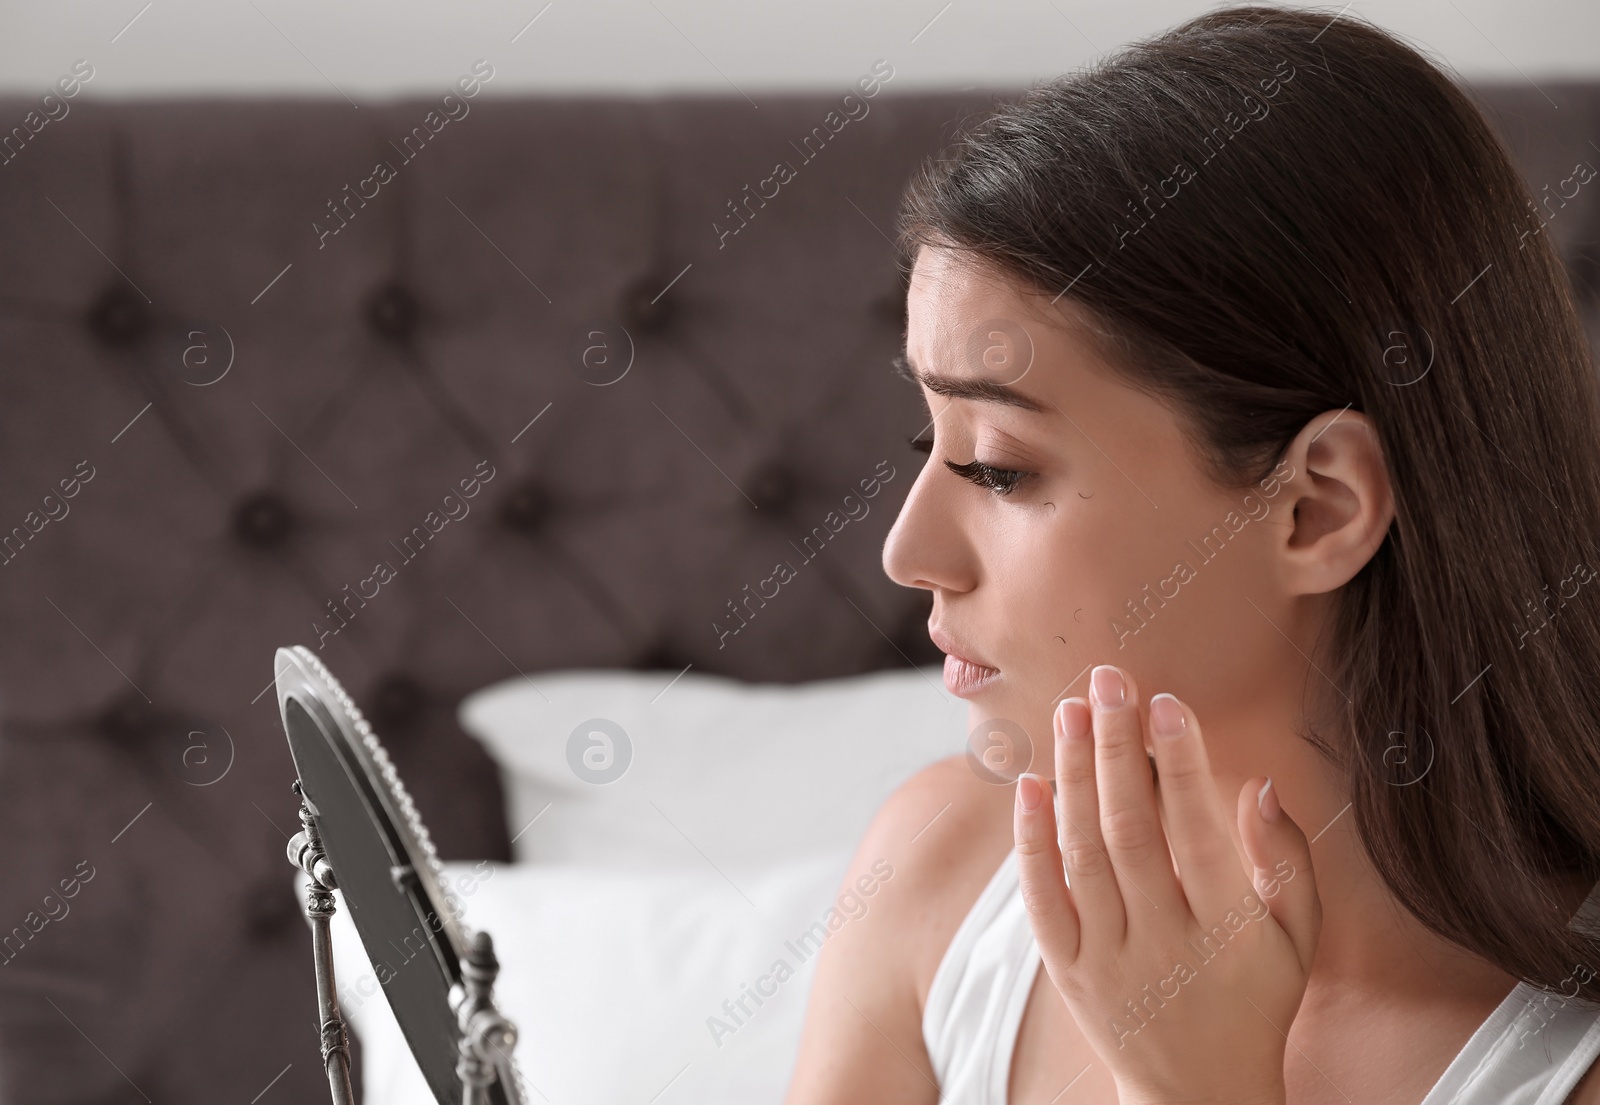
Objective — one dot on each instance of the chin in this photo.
(1008, 741)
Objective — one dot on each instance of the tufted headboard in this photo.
(561, 386)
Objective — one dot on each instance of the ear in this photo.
(1339, 499)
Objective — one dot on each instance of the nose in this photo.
(927, 546)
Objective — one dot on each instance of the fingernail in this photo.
(1267, 801)
(1166, 716)
(1030, 791)
(1107, 686)
(1073, 718)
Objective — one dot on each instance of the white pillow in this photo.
(713, 771)
(617, 980)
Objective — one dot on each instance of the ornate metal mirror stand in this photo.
(305, 852)
(486, 1037)
(366, 841)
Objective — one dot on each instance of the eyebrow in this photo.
(958, 387)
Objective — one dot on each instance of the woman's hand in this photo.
(1184, 982)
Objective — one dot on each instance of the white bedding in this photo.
(721, 771)
(647, 915)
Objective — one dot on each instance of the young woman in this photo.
(1252, 381)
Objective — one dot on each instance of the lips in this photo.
(964, 679)
(964, 674)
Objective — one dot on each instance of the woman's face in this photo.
(1113, 547)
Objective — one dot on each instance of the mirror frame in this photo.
(304, 685)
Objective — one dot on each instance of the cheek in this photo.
(1186, 589)
(1122, 584)
(1054, 582)
(1057, 581)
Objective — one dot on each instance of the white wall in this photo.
(378, 48)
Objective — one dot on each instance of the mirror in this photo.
(363, 836)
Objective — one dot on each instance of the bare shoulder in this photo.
(949, 831)
(922, 862)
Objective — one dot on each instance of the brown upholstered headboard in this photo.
(233, 419)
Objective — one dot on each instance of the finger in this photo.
(1051, 911)
(1129, 820)
(1101, 912)
(1281, 855)
(1209, 865)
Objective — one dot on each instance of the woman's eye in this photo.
(1002, 481)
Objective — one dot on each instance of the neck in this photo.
(1370, 944)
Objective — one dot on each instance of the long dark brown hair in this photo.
(1268, 214)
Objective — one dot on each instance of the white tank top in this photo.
(1531, 1051)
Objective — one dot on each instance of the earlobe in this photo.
(1342, 500)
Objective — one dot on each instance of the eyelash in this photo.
(1001, 481)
